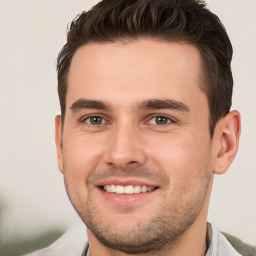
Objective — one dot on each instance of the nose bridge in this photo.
(126, 147)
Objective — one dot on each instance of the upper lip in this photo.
(125, 182)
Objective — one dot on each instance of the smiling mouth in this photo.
(130, 189)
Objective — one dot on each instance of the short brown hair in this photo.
(187, 21)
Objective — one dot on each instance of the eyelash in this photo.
(83, 120)
(168, 119)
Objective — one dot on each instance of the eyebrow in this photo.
(88, 104)
(163, 104)
(151, 104)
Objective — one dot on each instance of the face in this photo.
(136, 151)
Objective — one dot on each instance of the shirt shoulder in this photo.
(72, 243)
(219, 245)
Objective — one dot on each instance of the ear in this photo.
(58, 142)
(226, 140)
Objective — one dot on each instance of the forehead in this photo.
(140, 68)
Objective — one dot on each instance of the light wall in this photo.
(32, 194)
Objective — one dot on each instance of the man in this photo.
(145, 90)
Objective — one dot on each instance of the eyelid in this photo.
(148, 118)
(85, 117)
(172, 119)
(103, 121)
(168, 120)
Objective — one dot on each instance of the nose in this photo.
(126, 148)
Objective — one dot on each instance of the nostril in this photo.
(110, 164)
(125, 164)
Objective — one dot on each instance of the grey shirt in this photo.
(75, 243)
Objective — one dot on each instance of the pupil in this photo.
(96, 120)
(161, 120)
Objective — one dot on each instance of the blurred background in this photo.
(33, 201)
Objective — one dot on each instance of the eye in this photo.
(94, 120)
(160, 120)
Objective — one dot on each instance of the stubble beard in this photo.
(163, 230)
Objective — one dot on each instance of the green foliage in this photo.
(16, 248)
(243, 248)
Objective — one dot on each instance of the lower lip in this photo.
(126, 198)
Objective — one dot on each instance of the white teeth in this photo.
(119, 189)
(112, 188)
(136, 189)
(144, 189)
(149, 189)
(127, 189)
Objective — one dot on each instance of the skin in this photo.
(127, 86)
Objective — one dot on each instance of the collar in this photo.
(86, 250)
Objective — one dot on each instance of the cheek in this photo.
(181, 155)
(80, 159)
(78, 163)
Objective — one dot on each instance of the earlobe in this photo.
(226, 140)
(58, 142)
